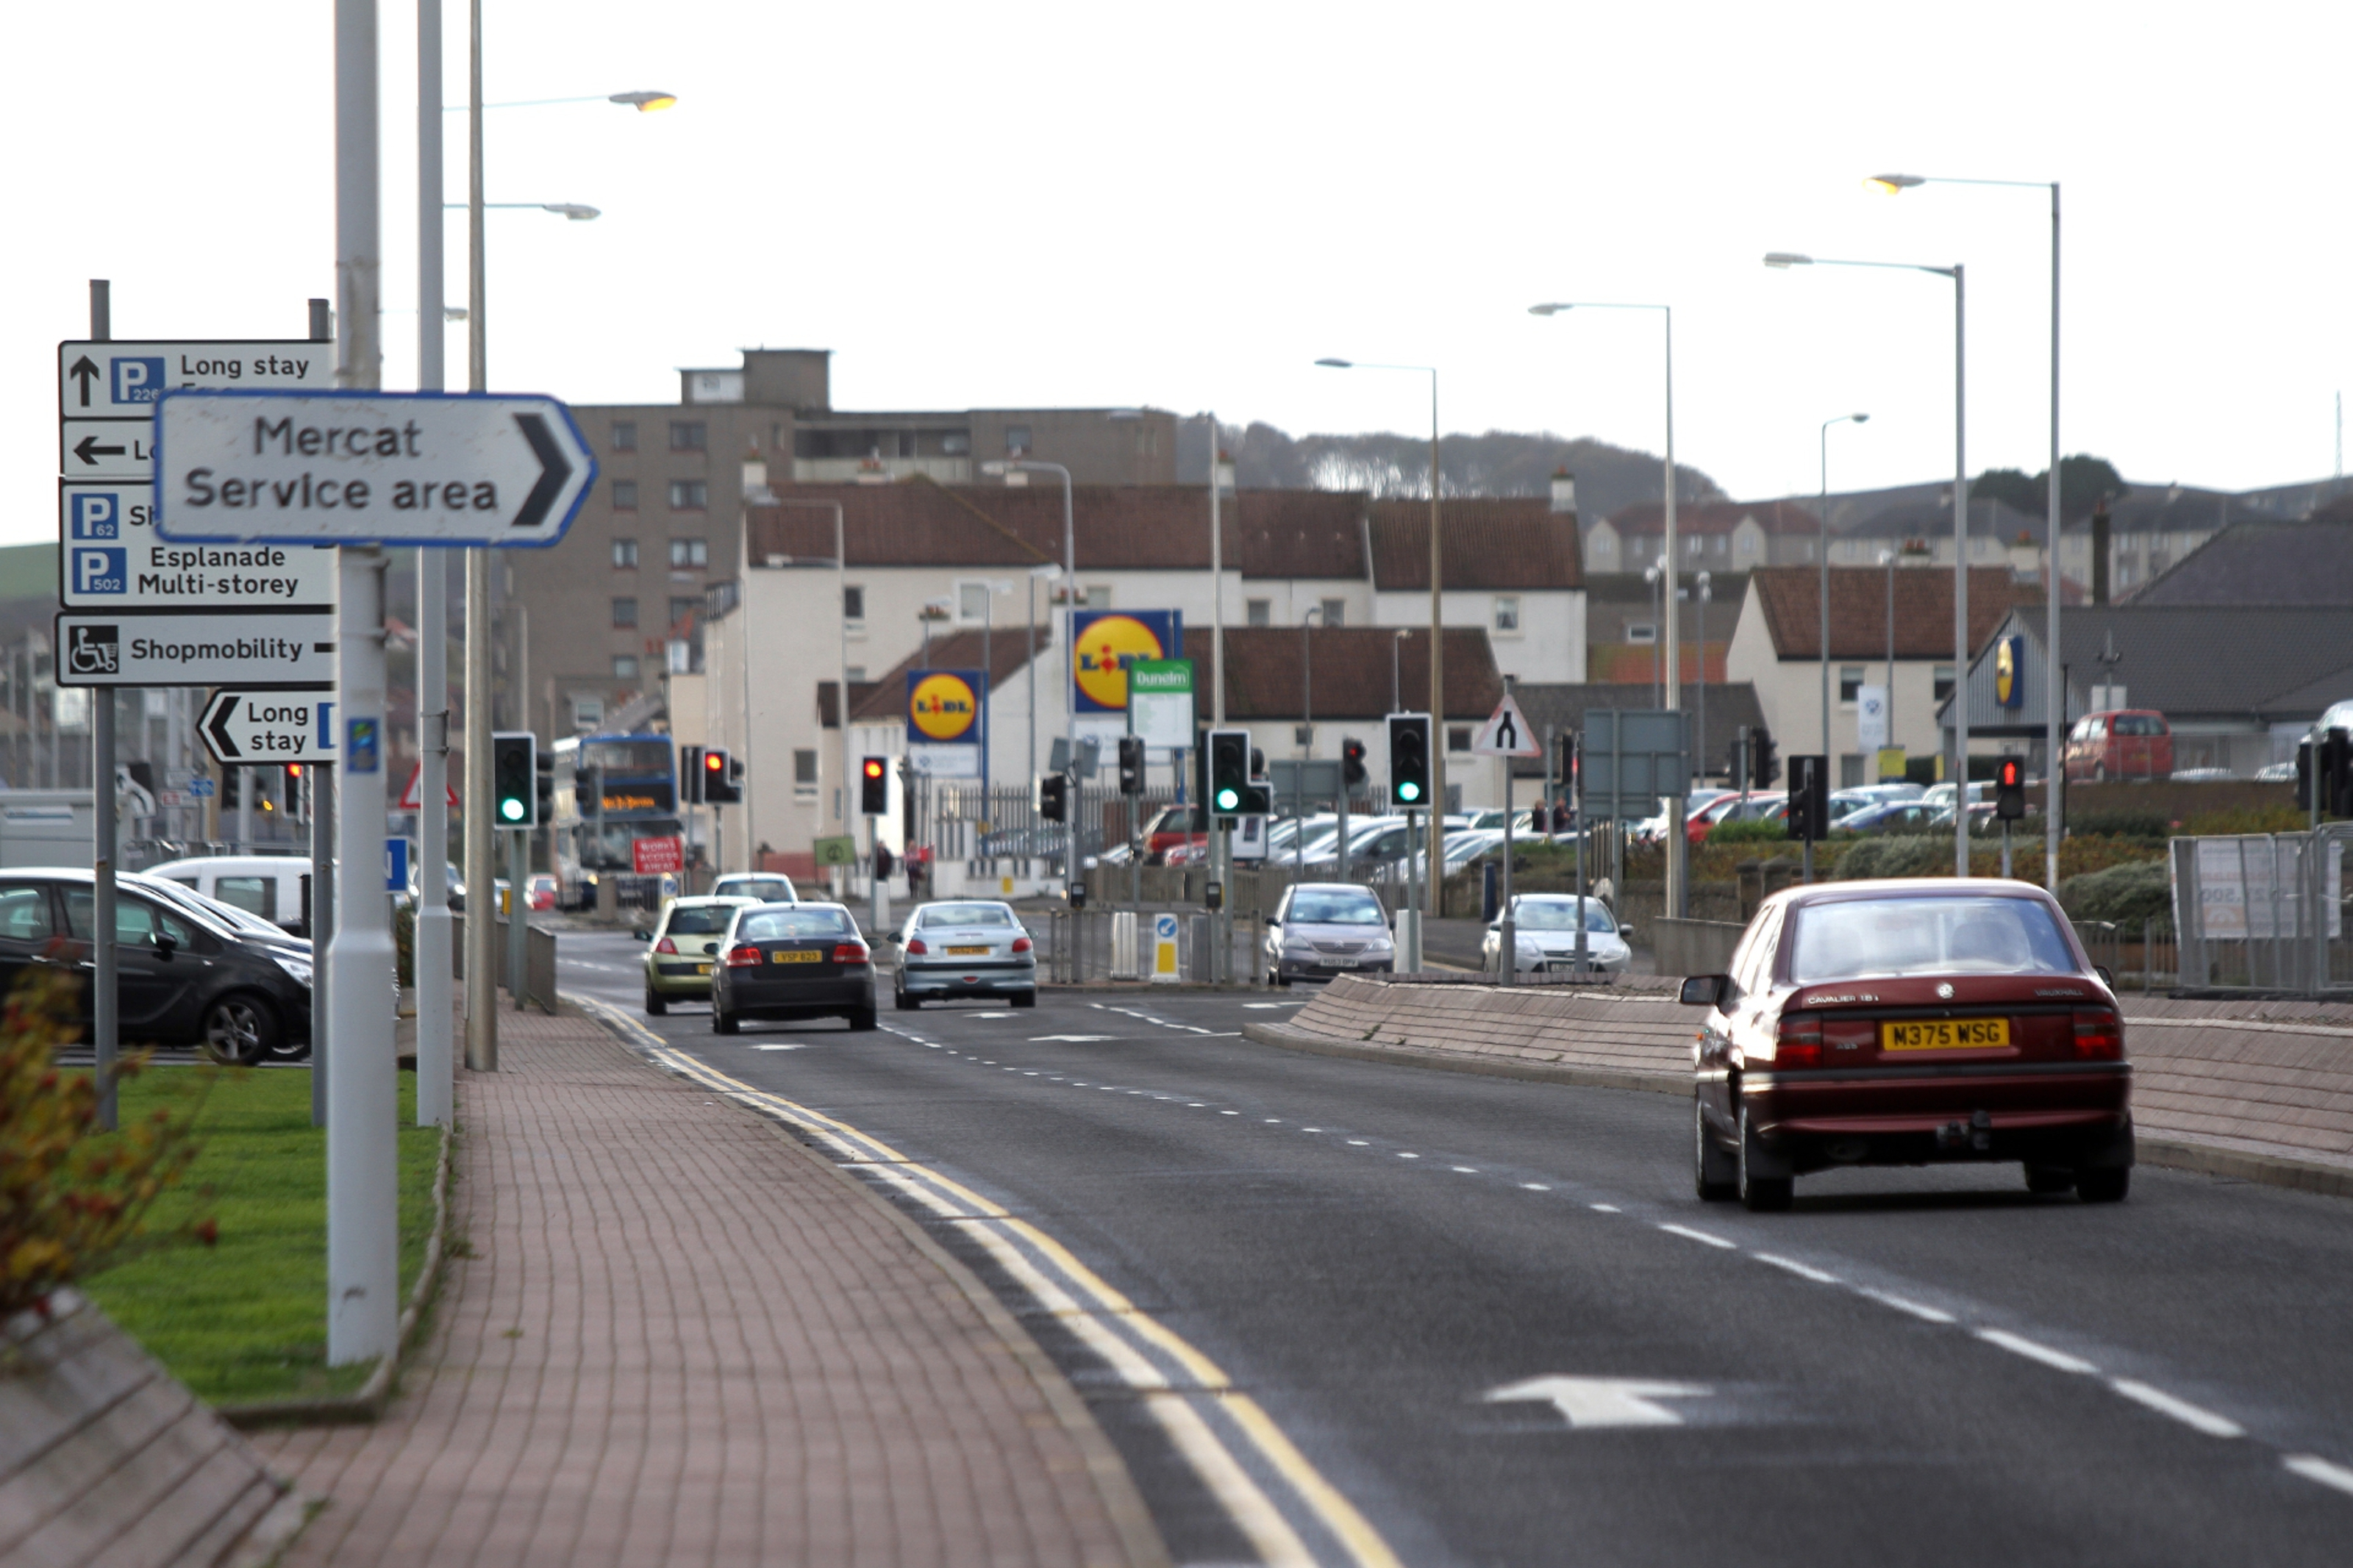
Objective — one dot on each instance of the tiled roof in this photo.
(884, 701)
(1694, 517)
(2263, 563)
(1296, 533)
(1790, 597)
(1351, 667)
(1487, 542)
(2213, 659)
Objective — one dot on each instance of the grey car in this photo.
(965, 947)
(1323, 928)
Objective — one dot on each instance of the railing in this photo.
(2263, 912)
(2142, 956)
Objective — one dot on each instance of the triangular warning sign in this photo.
(1505, 733)
(412, 797)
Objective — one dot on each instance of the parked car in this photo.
(1545, 937)
(2120, 744)
(1173, 825)
(964, 947)
(1891, 814)
(761, 887)
(682, 947)
(183, 979)
(1909, 1022)
(1323, 929)
(539, 890)
(792, 961)
(274, 886)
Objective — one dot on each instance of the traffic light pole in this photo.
(518, 913)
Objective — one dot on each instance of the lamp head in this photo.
(1784, 259)
(1860, 418)
(645, 102)
(1890, 184)
(1336, 364)
(1551, 310)
(572, 210)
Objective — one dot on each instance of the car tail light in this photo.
(666, 945)
(741, 957)
(2099, 1036)
(1799, 1043)
(849, 952)
(1021, 944)
(915, 946)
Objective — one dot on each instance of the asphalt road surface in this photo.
(1490, 1316)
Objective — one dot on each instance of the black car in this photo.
(181, 979)
(792, 961)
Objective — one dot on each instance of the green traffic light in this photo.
(511, 809)
(1227, 799)
(1409, 791)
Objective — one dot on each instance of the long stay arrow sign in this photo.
(269, 727)
(390, 467)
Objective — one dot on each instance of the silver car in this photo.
(1323, 928)
(1545, 933)
(964, 947)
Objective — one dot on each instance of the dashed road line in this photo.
(2019, 1344)
(1686, 1231)
(2181, 1410)
(1802, 1270)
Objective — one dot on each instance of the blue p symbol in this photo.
(137, 379)
(97, 514)
(100, 570)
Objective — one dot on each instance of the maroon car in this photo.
(1905, 1023)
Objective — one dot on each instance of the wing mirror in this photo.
(165, 947)
(643, 934)
(1705, 990)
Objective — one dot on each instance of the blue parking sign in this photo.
(96, 514)
(100, 569)
(138, 378)
(396, 865)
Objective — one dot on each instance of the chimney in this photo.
(2100, 553)
(1563, 490)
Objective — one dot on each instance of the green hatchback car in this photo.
(680, 950)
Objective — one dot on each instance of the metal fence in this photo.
(2143, 957)
(2262, 912)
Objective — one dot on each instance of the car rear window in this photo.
(967, 915)
(701, 920)
(767, 889)
(1855, 938)
(1336, 909)
(794, 925)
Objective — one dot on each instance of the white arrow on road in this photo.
(1603, 1401)
(1073, 1039)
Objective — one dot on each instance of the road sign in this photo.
(107, 392)
(269, 727)
(1631, 759)
(110, 557)
(1871, 717)
(1506, 734)
(289, 652)
(397, 467)
(106, 450)
(412, 794)
(396, 865)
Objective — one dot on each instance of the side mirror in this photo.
(1275, 919)
(643, 934)
(165, 947)
(1703, 990)
(2101, 971)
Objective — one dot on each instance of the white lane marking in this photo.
(1262, 1004)
(1195, 1105)
(1229, 1113)
(2312, 1468)
(2017, 1344)
(1684, 1230)
(1071, 1039)
(990, 1015)
(1028, 1074)
(2181, 1410)
(1465, 1170)
(790, 1048)
(1885, 1299)
(1590, 1402)
(1801, 1270)
(1310, 1130)
(1535, 1186)
(1358, 1143)
(1402, 1155)
(1274, 1121)
(1605, 1208)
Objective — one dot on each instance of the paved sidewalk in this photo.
(672, 1335)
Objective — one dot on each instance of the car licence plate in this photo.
(702, 969)
(966, 951)
(1341, 962)
(793, 955)
(1944, 1034)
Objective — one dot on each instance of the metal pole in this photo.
(1071, 677)
(1216, 584)
(2054, 699)
(106, 1001)
(362, 1193)
(1437, 660)
(482, 892)
(1678, 849)
(1507, 952)
(436, 1047)
(518, 914)
(1961, 581)
(1822, 527)
(323, 932)
(841, 578)
(1890, 563)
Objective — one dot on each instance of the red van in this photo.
(2121, 743)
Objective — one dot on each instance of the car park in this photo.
(2120, 744)
(1909, 1022)
(682, 950)
(1318, 929)
(964, 947)
(1545, 937)
(792, 961)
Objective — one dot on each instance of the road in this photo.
(1920, 1367)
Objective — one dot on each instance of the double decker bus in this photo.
(631, 793)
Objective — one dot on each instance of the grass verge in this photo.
(247, 1319)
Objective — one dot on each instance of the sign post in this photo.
(1505, 734)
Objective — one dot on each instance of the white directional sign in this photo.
(1871, 717)
(1505, 733)
(109, 556)
(106, 448)
(167, 648)
(107, 392)
(269, 727)
(396, 468)
(1588, 1402)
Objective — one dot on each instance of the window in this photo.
(1097, 596)
(25, 912)
(624, 555)
(972, 601)
(1748, 545)
(1017, 438)
(588, 713)
(689, 435)
(1507, 613)
(804, 771)
(1851, 770)
(136, 923)
(1336, 613)
(853, 603)
(254, 895)
(680, 609)
(1604, 545)
(1944, 682)
(625, 667)
(1642, 632)
(690, 552)
(625, 612)
(688, 495)
(625, 435)
(1458, 737)
(1926, 936)
(1850, 681)
(1258, 611)
(856, 672)
(625, 495)
(955, 443)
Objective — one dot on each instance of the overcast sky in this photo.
(1034, 204)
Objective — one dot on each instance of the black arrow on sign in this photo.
(89, 451)
(216, 725)
(85, 372)
(556, 469)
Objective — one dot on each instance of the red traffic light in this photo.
(874, 767)
(2014, 774)
(714, 762)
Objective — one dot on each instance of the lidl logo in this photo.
(1102, 643)
(2010, 672)
(940, 706)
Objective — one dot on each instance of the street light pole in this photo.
(436, 1084)
(481, 875)
(1070, 623)
(1822, 524)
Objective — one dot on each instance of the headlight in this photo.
(294, 964)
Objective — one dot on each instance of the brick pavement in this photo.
(673, 1335)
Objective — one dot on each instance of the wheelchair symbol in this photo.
(95, 650)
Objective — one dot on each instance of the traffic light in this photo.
(1131, 764)
(1053, 798)
(2009, 790)
(588, 791)
(1567, 743)
(720, 777)
(874, 786)
(1764, 767)
(1352, 765)
(690, 775)
(2337, 774)
(515, 779)
(1229, 776)
(295, 806)
(1409, 759)
(546, 786)
(1809, 797)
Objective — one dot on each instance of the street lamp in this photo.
(577, 212)
(2054, 701)
(1307, 684)
(1887, 559)
(1783, 259)
(1437, 608)
(1703, 588)
(1052, 573)
(1654, 574)
(1822, 524)
(998, 468)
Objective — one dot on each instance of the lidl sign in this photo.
(2010, 672)
(943, 706)
(1103, 643)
